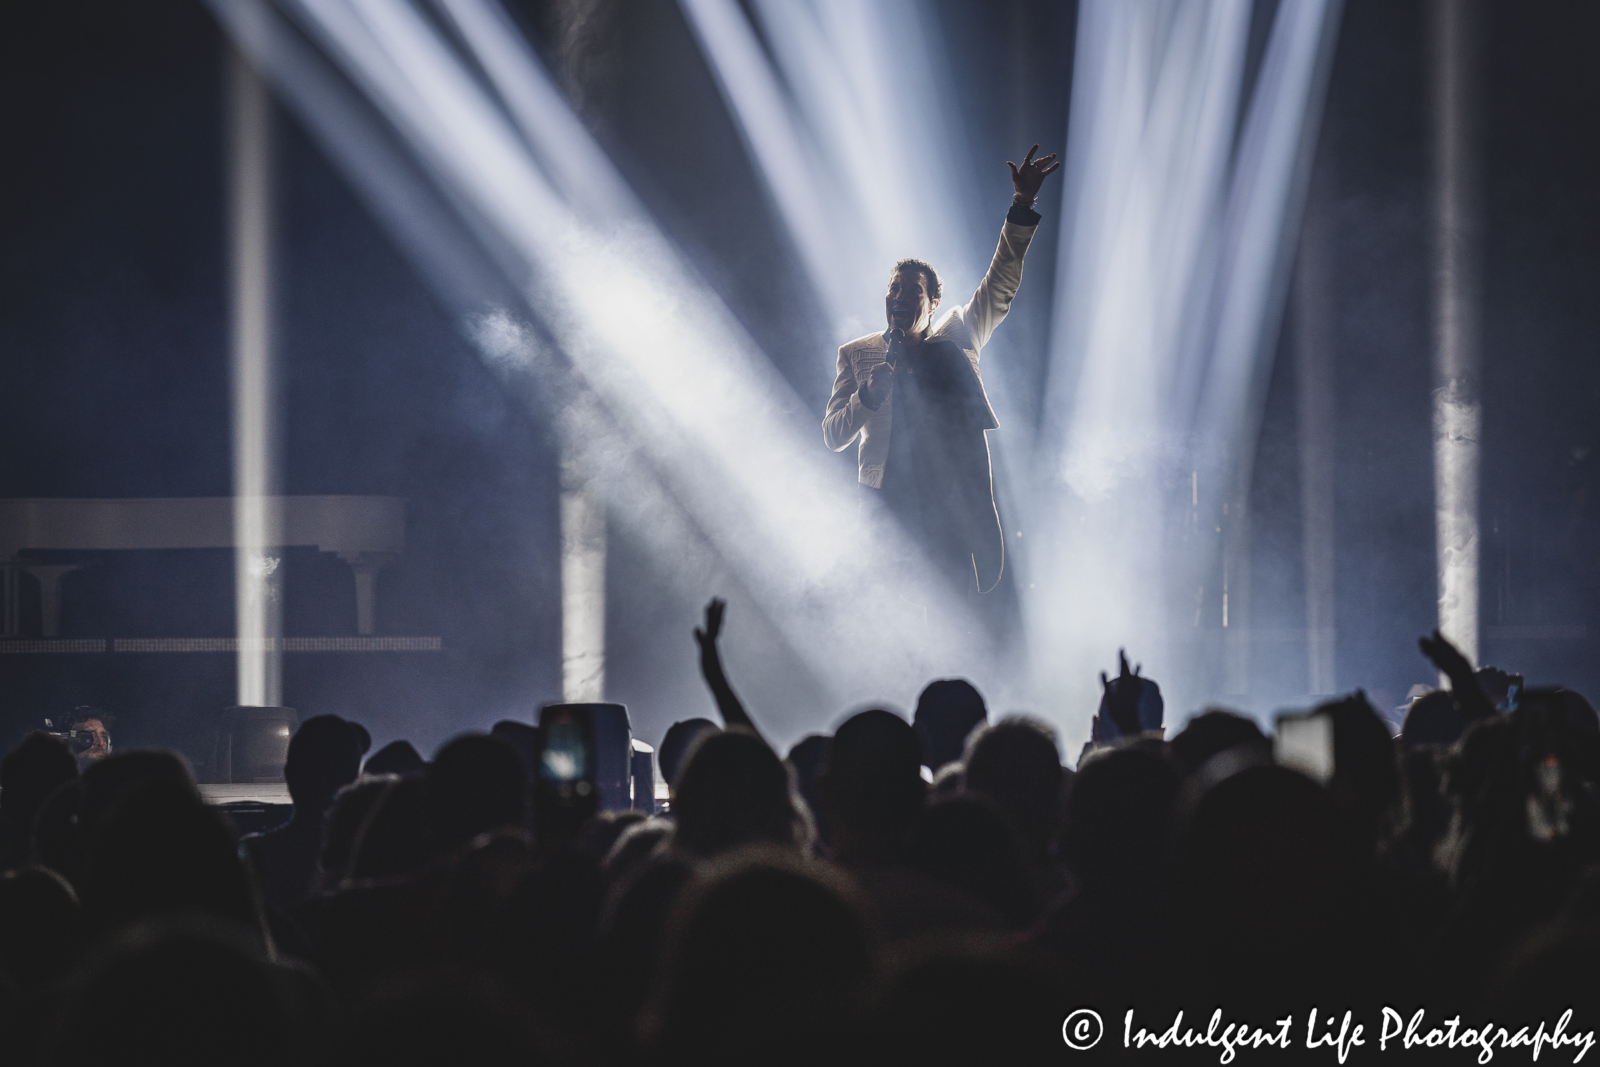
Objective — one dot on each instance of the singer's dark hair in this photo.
(84, 712)
(929, 275)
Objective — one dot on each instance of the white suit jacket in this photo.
(969, 326)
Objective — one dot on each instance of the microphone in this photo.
(896, 337)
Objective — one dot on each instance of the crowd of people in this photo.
(940, 891)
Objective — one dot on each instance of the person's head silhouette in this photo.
(1017, 765)
(872, 786)
(475, 783)
(678, 742)
(735, 791)
(947, 711)
(324, 754)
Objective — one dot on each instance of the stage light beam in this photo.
(699, 404)
(258, 578)
(1175, 252)
(1154, 100)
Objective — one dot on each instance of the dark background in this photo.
(113, 330)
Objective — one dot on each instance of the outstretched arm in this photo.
(992, 300)
(733, 713)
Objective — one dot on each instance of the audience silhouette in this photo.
(834, 907)
(38, 766)
(324, 756)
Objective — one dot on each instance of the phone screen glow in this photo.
(1305, 743)
(564, 757)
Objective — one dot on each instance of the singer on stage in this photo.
(913, 399)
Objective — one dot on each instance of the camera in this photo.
(86, 731)
(80, 741)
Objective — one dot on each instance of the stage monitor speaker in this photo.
(253, 744)
(644, 778)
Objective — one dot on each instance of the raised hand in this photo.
(1027, 178)
(1445, 656)
(728, 703)
(1454, 666)
(713, 625)
(1122, 703)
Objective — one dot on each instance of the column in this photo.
(1236, 631)
(257, 520)
(1314, 381)
(366, 566)
(583, 588)
(49, 577)
(11, 623)
(1456, 259)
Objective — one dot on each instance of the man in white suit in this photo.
(912, 398)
